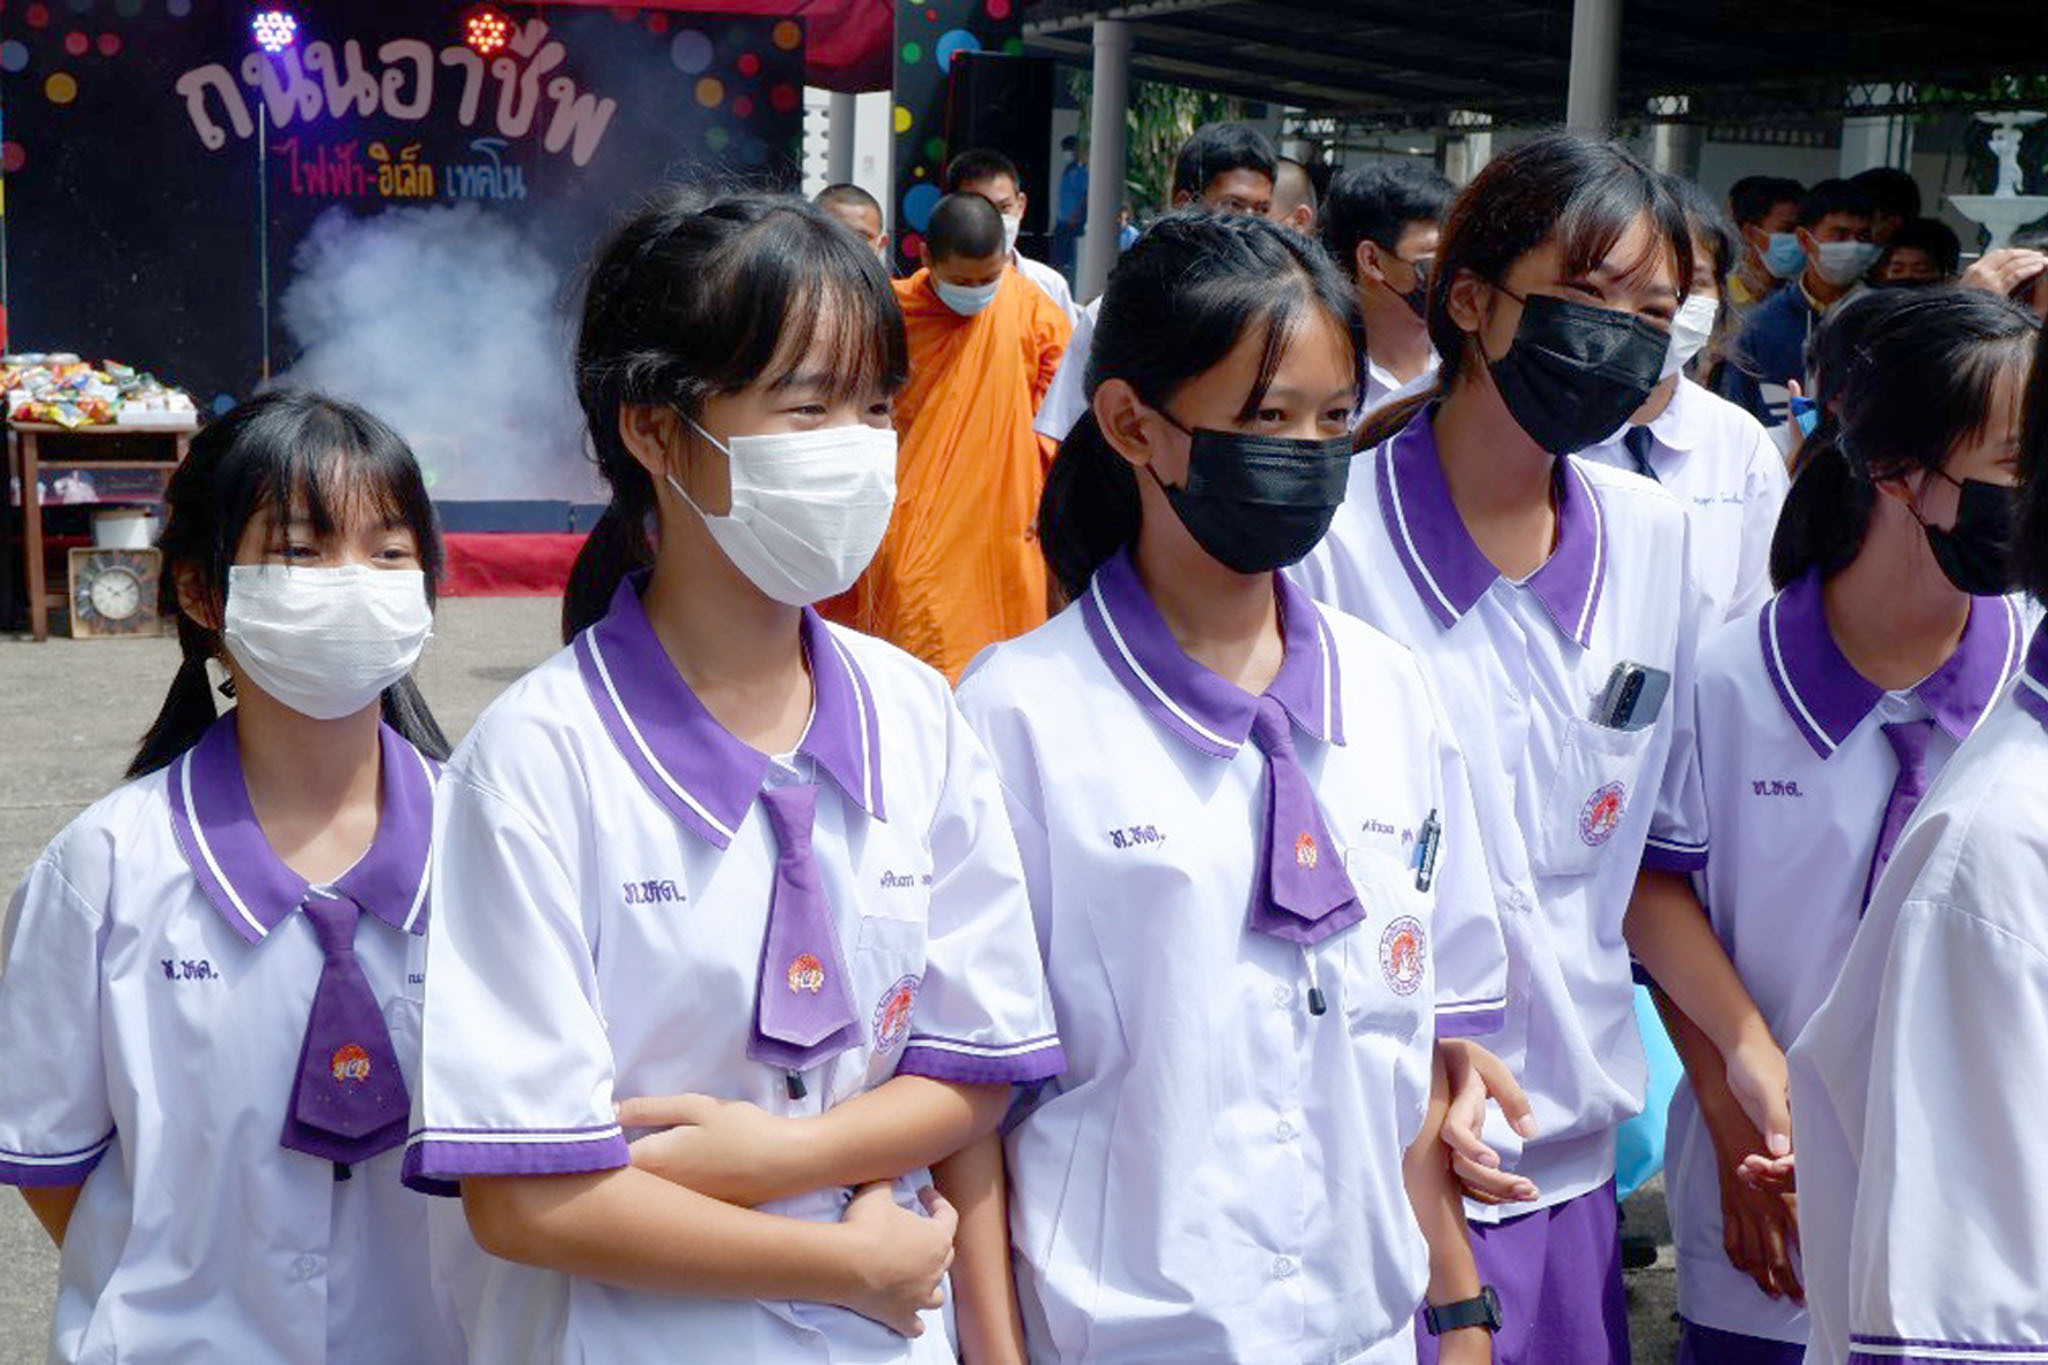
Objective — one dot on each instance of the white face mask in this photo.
(1690, 330)
(1012, 227)
(1841, 263)
(966, 300)
(809, 508)
(326, 642)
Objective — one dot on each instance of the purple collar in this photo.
(1448, 570)
(1202, 708)
(2033, 689)
(250, 885)
(1827, 698)
(688, 761)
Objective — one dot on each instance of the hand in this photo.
(901, 1257)
(1770, 1175)
(2004, 270)
(1475, 1075)
(1758, 1081)
(1759, 1227)
(1466, 1346)
(725, 1149)
(1795, 438)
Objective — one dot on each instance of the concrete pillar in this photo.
(1877, 140)
(1106, 154)
(1596, 65)
(839, 139)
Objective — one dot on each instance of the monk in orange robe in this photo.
(960, 567)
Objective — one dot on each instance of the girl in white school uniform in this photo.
(718, 868)
(1553, 603)
(1822, 720)
(211, 1003)
(1251, 852)
(1923, 1191)
(1715, 458)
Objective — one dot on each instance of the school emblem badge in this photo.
(1403, 953)
(1305, 854)
(806, 973)
(1601, 814)
(893, 1011)
(350, 1063)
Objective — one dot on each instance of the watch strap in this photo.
(1483, 1311)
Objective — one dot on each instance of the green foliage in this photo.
(1161, 117)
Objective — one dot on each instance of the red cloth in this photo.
(508, 564)
(848, 44)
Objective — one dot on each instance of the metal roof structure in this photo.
(1416, 64)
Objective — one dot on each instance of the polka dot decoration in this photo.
(913, 53)
(998, 10)
(36, 16)
(750, 65)
(711, 92)
(61, 88)
(13, 55)
(690, 51)
(223, 403)
(657, 23)
(108, 44)
(785, 98)
(77, 44)
(952, 44)
(12, 157)
(902, 120)
(789, 35)
(918, 205)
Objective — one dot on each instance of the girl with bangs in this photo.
(729, 917)
(1554, 605)
(1253, 859)
(211, 1003)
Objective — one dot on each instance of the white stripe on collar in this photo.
(1116, 637)
(206, 850)
(604, 674)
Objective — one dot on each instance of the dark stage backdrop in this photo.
(162, 173)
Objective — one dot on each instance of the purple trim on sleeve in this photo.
(31, 1170)
(449, 1154)
(1674, 857)
(1470, 1019)
(950, 1059)
(1866, 1350)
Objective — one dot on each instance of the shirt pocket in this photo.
(1596, 783)
(1386, 957)
(888, 970)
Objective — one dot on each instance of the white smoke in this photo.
(446, 323)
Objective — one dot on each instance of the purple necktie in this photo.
(1909, 741)
(803, 1001)
(1302, 894)
(349, 1100)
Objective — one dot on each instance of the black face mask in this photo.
(1575, 372)
(1976, 553)
(1259, 503)
(1418, 297)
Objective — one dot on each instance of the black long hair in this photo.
(1917, 382)
(278, 453)
(1178, 302)
(1582, 192)
(696, 297)
(2030, 535)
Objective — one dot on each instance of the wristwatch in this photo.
(1483, 1311)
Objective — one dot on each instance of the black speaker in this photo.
(996, 100)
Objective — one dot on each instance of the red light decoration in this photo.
(487, 31)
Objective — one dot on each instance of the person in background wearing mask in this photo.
(1225, 168)
(857, 209)
(993, 176)
(960, 568)
(1894, 200)
(1127, 233)
(1380, 227)
(1834, 232)
(1765, 209)
(1294, 197)
(1923, 251)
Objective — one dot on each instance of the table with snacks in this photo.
(100, 425)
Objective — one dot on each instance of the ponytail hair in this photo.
(697, 297)
(286, 453)
(1910, 379)
(1179, 301)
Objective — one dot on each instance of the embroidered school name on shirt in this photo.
(1773, 787)
(188, 969)
(1135, 836)
(652, 893)
(904, 881)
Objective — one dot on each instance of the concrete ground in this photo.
(70, 713)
